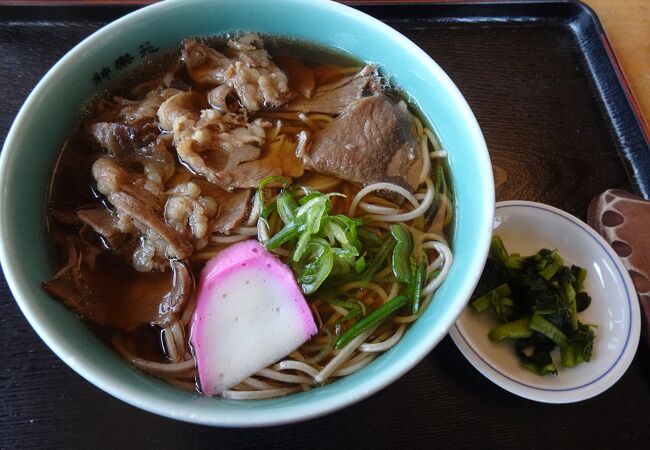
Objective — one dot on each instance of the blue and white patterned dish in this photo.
(525, 227)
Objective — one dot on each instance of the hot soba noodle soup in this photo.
(251, 220)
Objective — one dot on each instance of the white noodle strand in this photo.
(376, 209)
(297, 365)
(257, 395)
(377, 187)
(342, 356)
(307, 121)
(434, 142)
(287, 378)
(354, 367)
(426, 160)
(170, 343)
(439, 154)
(428, 199)
(179, 338)
(281, 252)
(384, 345)
(228, 239)
(263, 230)
(253, 383)
(434, 237)
(255, 212)
(394, 289)
(248, 231)
(372, 286)
(448, 259)
(164, 368)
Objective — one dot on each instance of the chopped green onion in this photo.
(317, 267)
(418, 282)
(373, 267)
(286, 206)
(283, 182)
(441, 183)
(321, 245)
(368, 238)
(373, 319)
(360, 265)
(402, 251)
(344, 304)
(301, 246)
(290, 231)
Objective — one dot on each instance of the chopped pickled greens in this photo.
(537, 299)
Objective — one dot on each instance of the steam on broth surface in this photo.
(229, 141)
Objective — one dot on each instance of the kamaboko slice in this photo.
(249, 314)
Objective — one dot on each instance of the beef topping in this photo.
(371, 141)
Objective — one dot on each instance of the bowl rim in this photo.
(583, 390)
(135, 396)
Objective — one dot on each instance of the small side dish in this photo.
(526, 227)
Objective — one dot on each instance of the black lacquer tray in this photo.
(560, 128)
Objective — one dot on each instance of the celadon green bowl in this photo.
(52, 110)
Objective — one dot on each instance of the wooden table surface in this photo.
(627, 23)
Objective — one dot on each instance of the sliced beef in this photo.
(189, 212)
(99, 219)
(333, 98)
(64, 216)
(67, 284)
(158, 164)
(279, 159)
(122, 140)
(247, 68)
(104, 224)
(186, 105)
(371, 141)
(198, 208)
(145, 110)
(139, 213)
(177, 247)
(204, 64)
(226, 149)
(111, 177)
(234, 208)
(134, 143)
(217, 143)
(111, 293)
(106, 110)
(171, 305)
(301, 77)
(222, 98)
